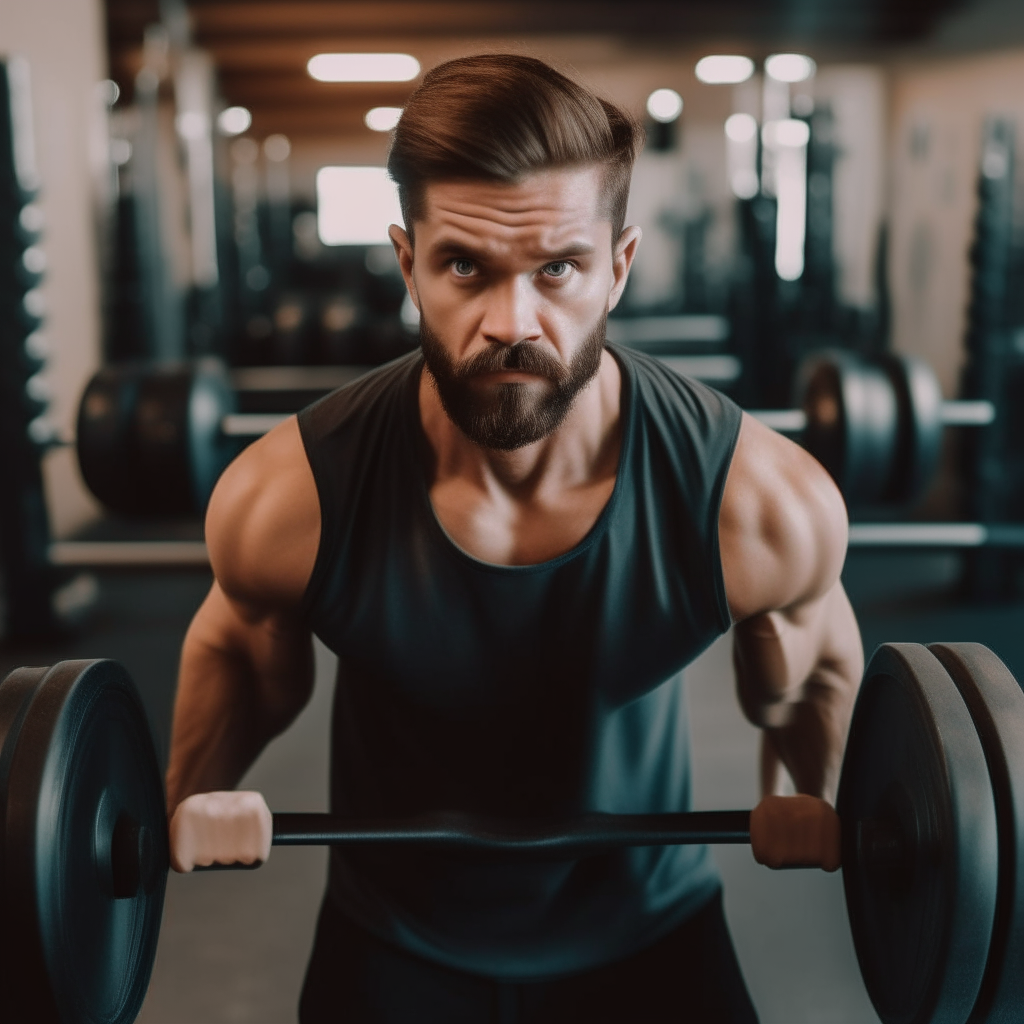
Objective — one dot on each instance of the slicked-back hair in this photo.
(500, 117)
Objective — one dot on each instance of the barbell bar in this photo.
(958, 413)
(953, 413)
(931, 805)
(584, 835)
(83, 554)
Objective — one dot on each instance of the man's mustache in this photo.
(523, 357)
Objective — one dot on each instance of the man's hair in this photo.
(500, 117)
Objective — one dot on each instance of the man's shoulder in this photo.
(263, 522)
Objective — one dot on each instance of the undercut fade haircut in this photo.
(500, 117)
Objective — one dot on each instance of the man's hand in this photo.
(220, 828)
(795, 831)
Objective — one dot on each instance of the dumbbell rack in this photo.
(24, 525)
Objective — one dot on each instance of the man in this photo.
(515, 542)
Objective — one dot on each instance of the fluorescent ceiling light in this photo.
(382, 119)
(234, 121)
(789, 67)
(724, 69)
(355, 205)
(363, 67)
(664, 105)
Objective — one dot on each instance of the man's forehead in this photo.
(565, 199)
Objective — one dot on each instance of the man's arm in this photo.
(247, 661)
(797, 648)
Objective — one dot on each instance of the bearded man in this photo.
(514, 541)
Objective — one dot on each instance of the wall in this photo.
(938, 110)
(64, 43)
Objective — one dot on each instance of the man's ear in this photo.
(622, 260)
(403, 251)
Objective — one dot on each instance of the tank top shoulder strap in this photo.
(687, 432)
(346, 436)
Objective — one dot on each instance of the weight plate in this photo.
(919, 841)
(85, 820)
(149, 437)
(919, 403)
(996, 704)
(852, 425)
(105, 434)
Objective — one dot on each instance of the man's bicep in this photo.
(782, 526)
(263, 523)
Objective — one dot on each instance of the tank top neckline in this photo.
(419, 448)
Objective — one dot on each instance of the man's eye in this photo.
(560, 268)
(463, 268)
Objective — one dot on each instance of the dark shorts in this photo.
(691, 975)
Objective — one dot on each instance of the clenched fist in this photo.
(233, 827)
(795, 831)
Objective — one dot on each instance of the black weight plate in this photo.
(180, 449)
(919, 841)
(996, 703)
(919, 400)
(105, 432)
(852, 425)
(84, 759)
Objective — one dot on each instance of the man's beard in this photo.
(510, 415)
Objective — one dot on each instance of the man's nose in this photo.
(511, 313)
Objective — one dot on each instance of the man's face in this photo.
(513, 284)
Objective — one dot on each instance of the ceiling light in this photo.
(664, 105)
(192, 124)
(234, 121)
(740, 127)
(363, 67)
(789, 132)
(382, 119)
(789, 67)
(724, 69)
(277, 148)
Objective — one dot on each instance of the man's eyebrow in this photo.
(450, 248)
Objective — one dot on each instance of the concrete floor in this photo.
(234, 945)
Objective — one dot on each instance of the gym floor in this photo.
(234, 945)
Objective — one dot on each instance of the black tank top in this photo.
(516, 691)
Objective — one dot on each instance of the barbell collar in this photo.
(252, 424)
(962, 413)
(591, 833)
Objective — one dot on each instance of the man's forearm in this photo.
(227, 710)
(797, 677)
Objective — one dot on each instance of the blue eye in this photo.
(558, 269)
(463, 268)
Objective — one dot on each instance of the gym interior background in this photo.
(180, 182)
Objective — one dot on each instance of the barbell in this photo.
(153, 440)
(931, 803)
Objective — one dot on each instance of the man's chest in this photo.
(502, 530)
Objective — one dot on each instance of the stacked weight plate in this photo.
(83, 851)
(932, 805)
